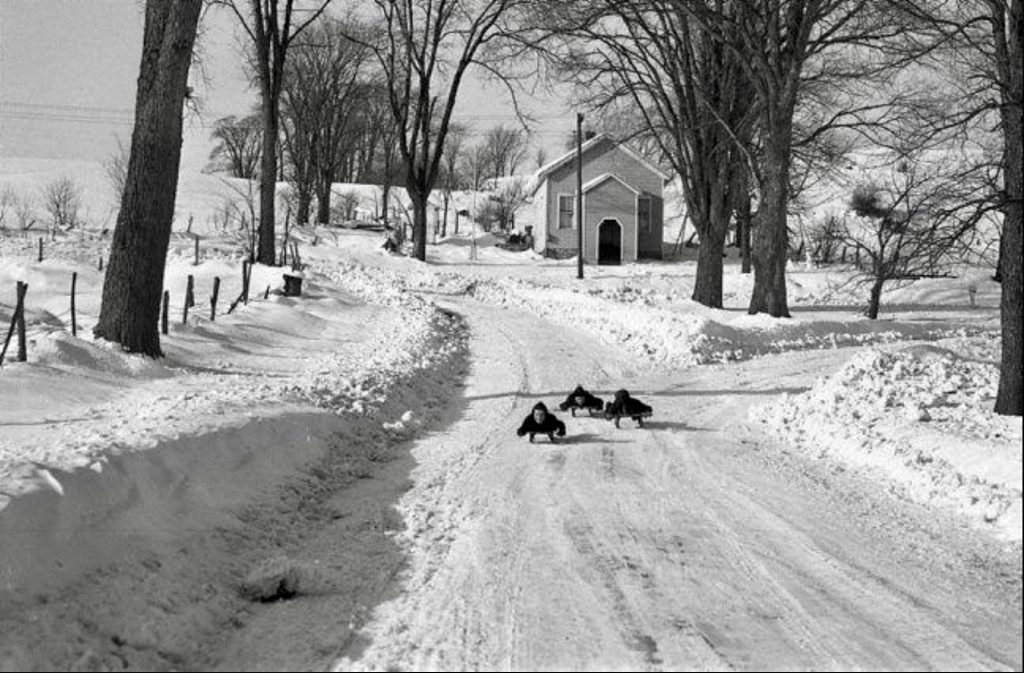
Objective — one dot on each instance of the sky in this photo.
(67, 82)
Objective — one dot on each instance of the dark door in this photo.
(609, 242)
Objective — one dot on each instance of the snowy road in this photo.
(694, 543)
(683, 545)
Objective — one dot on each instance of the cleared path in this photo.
(689, 544)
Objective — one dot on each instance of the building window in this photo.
(566, 208)
(643, 214)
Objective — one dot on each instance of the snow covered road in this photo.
(682, 545)
(695, 543)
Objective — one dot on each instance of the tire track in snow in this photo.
(645, 549)
(471, 592)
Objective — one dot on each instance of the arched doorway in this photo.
(609, 242)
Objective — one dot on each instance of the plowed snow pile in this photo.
(678, 338)
(921, 418)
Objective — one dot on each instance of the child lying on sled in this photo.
(624, 405)
(541, 422)
(583, 400)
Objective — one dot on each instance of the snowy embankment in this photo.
(922, 418)
(686, 335)
(271, 358)
(422, 339)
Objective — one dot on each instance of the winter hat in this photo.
(541, 406)
(621, 393)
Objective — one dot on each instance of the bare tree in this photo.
(62, 198)
(25, 212)
(272, 26)
(116, 168)
(506, 148)
(500, 207)
(339, 73)
(984, 39)
(239, 142)
(691, 97)
(451, 162)
(240, 215)
(777, 41)
(426, 49)
(8, 202)
(381, 134)
(474, 165)
(540, 158)
(1007, 23)
(133, 286)
(918, 221)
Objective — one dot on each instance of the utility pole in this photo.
(476, 183)
(579, 195)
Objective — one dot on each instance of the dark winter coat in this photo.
(589, 401)
(624, 405)
(550, 424)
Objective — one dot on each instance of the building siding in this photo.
(609, 200)
(605, 157)
(540, 233)
(650, 245)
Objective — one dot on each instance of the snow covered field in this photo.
(318, 393)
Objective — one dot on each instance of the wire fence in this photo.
(193, 303)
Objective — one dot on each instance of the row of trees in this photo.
(748, 101)
(742, 98)
(419, 53)
(324, 142)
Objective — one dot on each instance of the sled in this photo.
(639, 417)
(551, 436)
(593, 411)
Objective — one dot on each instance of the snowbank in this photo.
(920, 417)
(634, 319)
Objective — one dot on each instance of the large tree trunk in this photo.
(305, 198)
(998, 275)
(323, 201)
(707, 287)
(133, 286)
(419, 224)
(771, 236)
(1010, 398)
(875, 300)
(268, 182)
(744, 220)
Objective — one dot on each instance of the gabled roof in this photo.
(587, 186)
(544, 171)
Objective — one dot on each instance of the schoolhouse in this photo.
(623, 205)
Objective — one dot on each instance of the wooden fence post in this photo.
(74, 322)
(213, 299)
(40, 248)
(17, 322)
(163, 314)
(246, 273)
(189, 301)
(197, 251)
(20, 311)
